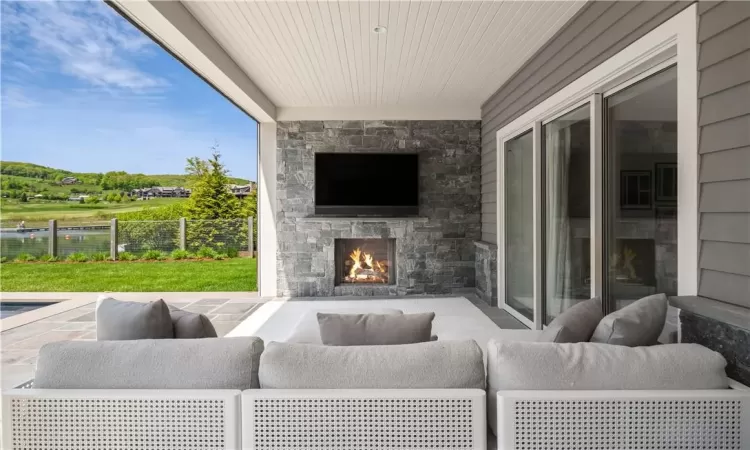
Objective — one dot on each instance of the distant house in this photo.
(161, 192)
(77, 198)
(69, 180)
(242, 190)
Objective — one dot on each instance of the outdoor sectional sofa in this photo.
(231, 393)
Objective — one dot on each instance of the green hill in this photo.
(18, 177)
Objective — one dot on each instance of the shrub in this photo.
(180, 254)
(24, 257)
(78, 257)
(126, 256)
(153, 254)
(233, 253)
(205, 252)
(100, 256)
(3, 259)
(48, 258)
(220, 256)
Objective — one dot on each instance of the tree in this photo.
(92, 199)
(23, 198)
(210, 197)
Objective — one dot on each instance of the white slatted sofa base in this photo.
(419, 419)
(624, 420)
(72, 419)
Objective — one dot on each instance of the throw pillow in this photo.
(575, 324)
(118, 320)
(188, 325)
(375, 329)
(637, 324)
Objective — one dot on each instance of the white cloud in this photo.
(15, 97)
(85, 40)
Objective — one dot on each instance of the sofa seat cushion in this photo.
(588, 366)
(639, 323)
(375, 329)
(428, 365)
(307, 330)
(189, 325)
(214, 363)
(575, 324)
(119, 320)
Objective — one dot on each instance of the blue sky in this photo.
(84, 90)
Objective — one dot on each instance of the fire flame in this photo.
(364, 262)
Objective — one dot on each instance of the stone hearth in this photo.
(434, 252)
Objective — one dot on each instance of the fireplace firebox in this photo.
(365, 261)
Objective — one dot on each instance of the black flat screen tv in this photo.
(366, 184)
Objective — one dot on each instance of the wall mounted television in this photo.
(367, 184)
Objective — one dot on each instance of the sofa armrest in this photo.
(613, 420)
(346, 418)
(86, 418)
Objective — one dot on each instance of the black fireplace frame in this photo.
(340, 256)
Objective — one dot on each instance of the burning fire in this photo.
(365, 269)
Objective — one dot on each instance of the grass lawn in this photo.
(37, 213)
(236, 274)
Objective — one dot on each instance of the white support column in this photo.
(267, 207)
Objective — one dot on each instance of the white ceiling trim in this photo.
(393, 112)
(175, 28)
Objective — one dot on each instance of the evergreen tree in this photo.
(210, 197)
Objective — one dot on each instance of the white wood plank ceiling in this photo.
(434, 53)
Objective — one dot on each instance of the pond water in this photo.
(13, 243)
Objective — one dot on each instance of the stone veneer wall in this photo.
(435, 252)
(486, 272)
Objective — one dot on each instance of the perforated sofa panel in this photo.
(624, 420)
(50, 419)
(418, 419)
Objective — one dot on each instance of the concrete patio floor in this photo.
(73, 318)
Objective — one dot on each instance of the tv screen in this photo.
(366, 184)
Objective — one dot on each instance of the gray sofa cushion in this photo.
(189, 325)
(375, 329)
(307, 330)
(575, 324)
(219, 363)
(428, 365)
(119, 320)
(588, 366)
(637, 324)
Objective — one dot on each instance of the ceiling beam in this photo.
(382, 112)
(172, 26)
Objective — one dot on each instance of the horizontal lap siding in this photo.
(724, 123)
(596, 33)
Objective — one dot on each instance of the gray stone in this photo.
(434, 254)
(485, 268)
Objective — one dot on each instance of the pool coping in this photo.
(61, 302)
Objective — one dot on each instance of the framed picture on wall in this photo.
(666, 182)
(635, 189)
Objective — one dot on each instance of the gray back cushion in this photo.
(575, 324)
(375, 329)
(307, 330)
(188, 325)
(219, 363)
(637, 324)
(587, 366)
(118, 320)
(428, 365)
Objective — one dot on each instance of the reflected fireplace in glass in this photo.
(365, 261)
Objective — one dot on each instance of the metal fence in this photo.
(113, 237)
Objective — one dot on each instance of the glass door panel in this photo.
(640, 233)
(519, 224)
(566, 213)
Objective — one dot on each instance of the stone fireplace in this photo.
(365, 261)
(430, 252)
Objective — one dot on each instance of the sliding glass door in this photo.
(566, 212)
(518, 177)
(640, 220)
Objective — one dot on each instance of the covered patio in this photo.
(559, 189)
